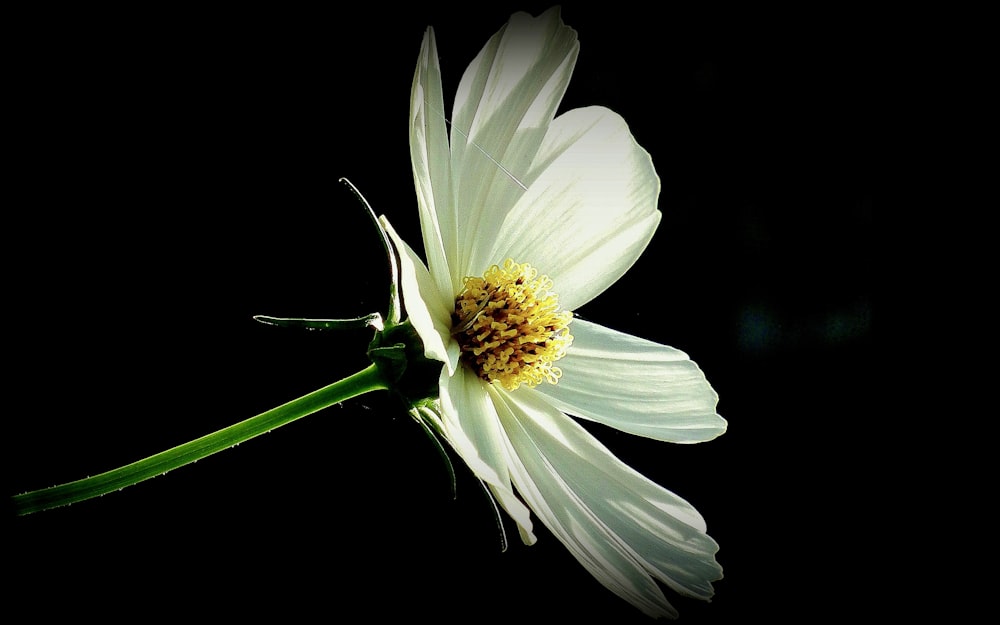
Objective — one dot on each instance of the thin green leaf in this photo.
(394, 314)
(373, 320)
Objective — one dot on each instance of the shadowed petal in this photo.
(591, 210)
(470, 419)
(426, 307)
(635, 385)
(430, 156)
(624, 528)
(505, 102)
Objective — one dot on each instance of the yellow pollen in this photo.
(509, 326)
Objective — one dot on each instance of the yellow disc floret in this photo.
(510, 327)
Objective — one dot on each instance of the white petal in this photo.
(635, 385)
(621, 526)
(505, 102)
(426, 308)
(470, 422)
(590, 210)
(430, 157)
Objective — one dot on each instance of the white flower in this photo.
(575, 197)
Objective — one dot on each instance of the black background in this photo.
(176, 173)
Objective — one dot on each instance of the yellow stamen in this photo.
(509, 326)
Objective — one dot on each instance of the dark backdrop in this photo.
(176, 173)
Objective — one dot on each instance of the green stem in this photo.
(362, 382)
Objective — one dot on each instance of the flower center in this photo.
(509, 326)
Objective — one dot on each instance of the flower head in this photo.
(526, 216)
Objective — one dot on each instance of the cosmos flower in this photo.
(525, 217)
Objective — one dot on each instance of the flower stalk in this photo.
(389, 352)
(364, 381)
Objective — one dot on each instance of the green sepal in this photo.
(398, 352)
(497, 518)
(394, 312)
(425, 415)
(373, 320)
